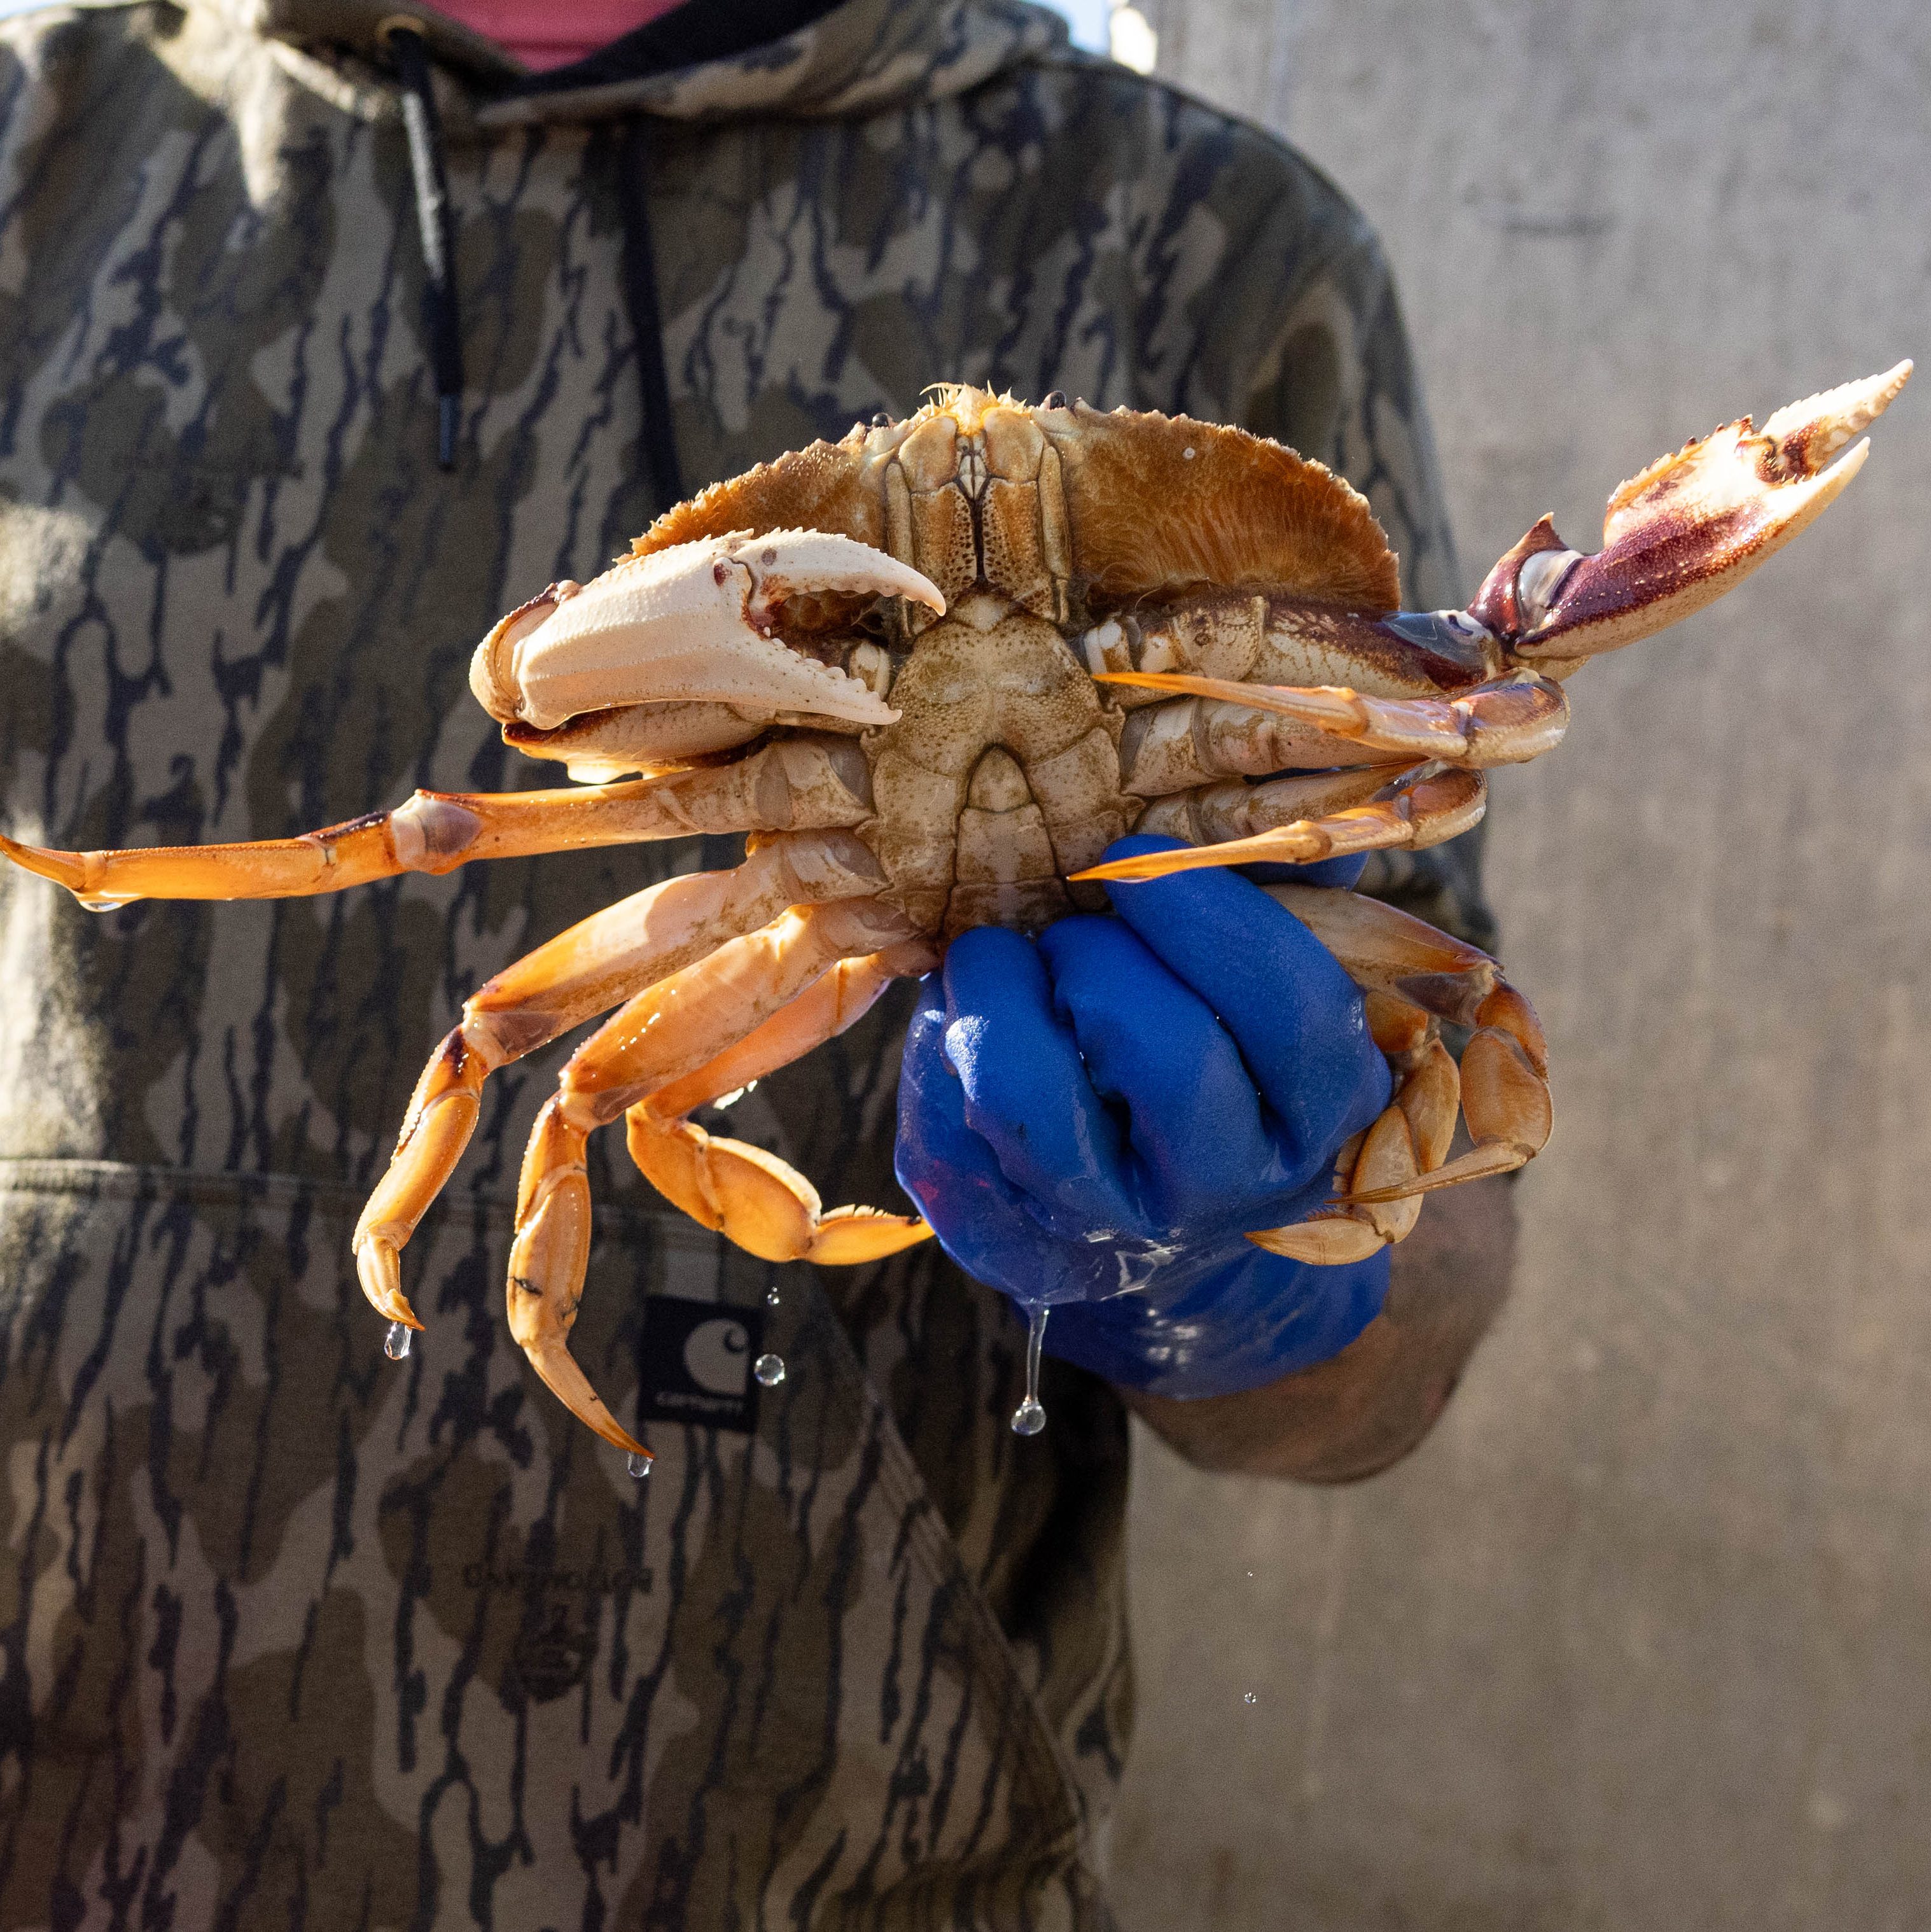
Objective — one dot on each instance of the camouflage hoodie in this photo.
(293, 1635)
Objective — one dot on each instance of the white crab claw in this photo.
(688, 624)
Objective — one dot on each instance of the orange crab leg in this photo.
(1421, 808)
(797, 784)
(1414, 976)
(434, 831)
(1504, 1100)
(754, 1198)
(673, 1029)
(588, 970)
(1506, 722)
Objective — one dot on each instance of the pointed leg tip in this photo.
(64, 868)
(568, 1383)
(379, 1269)
(1118, 870)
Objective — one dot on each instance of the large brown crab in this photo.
(934, 670)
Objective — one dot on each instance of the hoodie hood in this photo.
(859, 58)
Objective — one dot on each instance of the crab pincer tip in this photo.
(1813, 430)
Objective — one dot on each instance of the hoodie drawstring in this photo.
(437, 222)
(436, 219)
(646, 320)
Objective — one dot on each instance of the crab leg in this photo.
(598, 963)
(1408, 969)
(1409, 1138)
(1508, 721)
(755, 1199)
(793, 784)
(671, 1029)
(1307, 819)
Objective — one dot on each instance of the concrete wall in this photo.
(1642, 1638)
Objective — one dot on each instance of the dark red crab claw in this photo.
(1685, 530)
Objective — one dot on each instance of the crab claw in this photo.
(692, 623)
(1684, 531)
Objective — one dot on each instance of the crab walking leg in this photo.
(1503, 1081)
(1507, 722)
(598, 962)
(1410, 1138)
(752, 1198)
(1504, 1100)
(1422, 806)
(805, 782)
(1505, 1065)
(669, 1031)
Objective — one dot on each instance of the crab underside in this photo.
(934, 670)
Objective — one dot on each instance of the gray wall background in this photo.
(1641, 1637)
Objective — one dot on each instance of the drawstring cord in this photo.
(646, 320)
(437, 222)
(402, 34)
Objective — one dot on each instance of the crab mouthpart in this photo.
(695, 623)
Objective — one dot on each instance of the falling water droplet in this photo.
(1030, 1417)
(395, 1344)
(638, 1465)
(1249, 1697)
(771, 1296)
(769, 1370)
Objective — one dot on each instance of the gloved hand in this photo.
(1096, 1119)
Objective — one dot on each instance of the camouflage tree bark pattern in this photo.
(292, 1634)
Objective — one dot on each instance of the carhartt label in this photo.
(696, 1363)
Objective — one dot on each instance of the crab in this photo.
(934, 670)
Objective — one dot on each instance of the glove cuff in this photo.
(1246, 1323)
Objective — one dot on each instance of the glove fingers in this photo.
(1294, 1012)
(1198, 1135)
(952, 1174)
(1026, 1089)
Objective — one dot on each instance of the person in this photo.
(331, 333)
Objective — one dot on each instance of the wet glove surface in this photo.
(1096, 1120)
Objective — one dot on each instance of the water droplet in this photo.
(771, 1297)
(1030, 1417)
(395, 1344)
(1248, 1696)
(769, 1370)
(638, 1465)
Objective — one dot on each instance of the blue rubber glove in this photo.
(1096, 1119)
